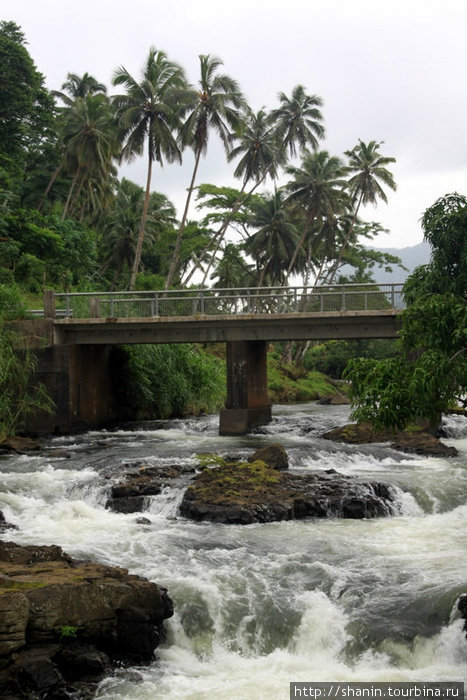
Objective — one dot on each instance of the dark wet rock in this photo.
(412, 442)
(130, 504)
(57, 453)
(4, 525)
(246, 493)
(63, 620)
(334, 400)
(143, 521)
(274, 456)
(129, 496)
(20, 445)
(462, 607)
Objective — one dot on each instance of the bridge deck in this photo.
(213, 328)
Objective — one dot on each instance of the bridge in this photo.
(81, 328)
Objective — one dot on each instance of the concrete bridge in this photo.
(74, 334)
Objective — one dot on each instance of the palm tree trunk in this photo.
(55, 174)
(70, 193)
(218, 236)
(144, 216)
(335, 267)
(178, 242)
(299, 245)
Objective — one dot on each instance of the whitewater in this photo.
(259, 606)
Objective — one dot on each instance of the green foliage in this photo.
(331, 357)
(159, 381)
(19, 395)
(432, 374)
(69, 631)
(288, 384)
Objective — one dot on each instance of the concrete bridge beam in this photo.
(247, 404)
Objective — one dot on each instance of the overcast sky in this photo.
(392, 71)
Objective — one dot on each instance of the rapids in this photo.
(258, 606)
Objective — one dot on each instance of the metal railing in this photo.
(249, 300)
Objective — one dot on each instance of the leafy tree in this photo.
(119, 226)
(431, 374)
(149, 114)
(26, 108)
(216, 105)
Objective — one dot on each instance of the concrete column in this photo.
(49, 303)
(78, 379)
(247, 403)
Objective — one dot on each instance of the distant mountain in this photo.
(411, 257)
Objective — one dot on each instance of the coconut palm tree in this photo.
(274, 243)
(79, 86)
(149, 114)
(318, 188)
(366, 185)
(91, 144)
(216, 106)
(299, 121)
(259, 159)
(74, 87)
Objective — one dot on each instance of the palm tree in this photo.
(76, 87)
(148, 114)
(299, 121)
(216, 105)
(91, 143)
(79, 86)
(259, 159)
(370, 170)
(273, 244)
(317, 187)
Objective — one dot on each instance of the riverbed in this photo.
(258, 606)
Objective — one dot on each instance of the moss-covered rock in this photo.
(409, 441)
(59, 615)
(248, 492)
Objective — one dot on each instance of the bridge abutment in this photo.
(247, 404)
(78, 379)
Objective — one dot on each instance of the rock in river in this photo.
(65, 622)
(255, 492)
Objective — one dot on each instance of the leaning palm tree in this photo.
(149, 113)
(365, 186)
(73, 88)
(259, 158)
(91, 144)
(215, 106)
(299, 121)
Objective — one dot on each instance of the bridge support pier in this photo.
(247, 403)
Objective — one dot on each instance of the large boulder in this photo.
(273, 456)
(412, 442)
(63, 620)
(246, 492)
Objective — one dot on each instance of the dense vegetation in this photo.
(430, 375)
(68, 221)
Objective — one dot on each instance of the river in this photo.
(258, 606)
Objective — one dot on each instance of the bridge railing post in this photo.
(94, 307)
(49, 303)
